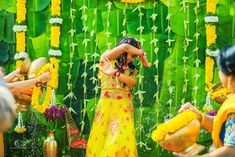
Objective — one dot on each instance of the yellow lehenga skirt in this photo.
(113, 132)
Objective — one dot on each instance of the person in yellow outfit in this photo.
(113, 132)
(222, 125)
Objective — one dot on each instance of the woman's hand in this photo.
(143, 58)
(189, 106)
(181, 155)
(106, 67)
(45, 77)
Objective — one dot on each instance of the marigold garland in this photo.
(55, 36)
(173, 125)
(209, 72)
(53, 66)
(55, 7)
(210, 35)
(53, 83)
(21, 11)
(132, 1)
(211, 6)
(20, 40)
(211, 42)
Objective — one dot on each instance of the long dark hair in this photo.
(226, 60)
(121, 60)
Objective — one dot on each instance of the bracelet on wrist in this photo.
(39, 82)
(117, 73)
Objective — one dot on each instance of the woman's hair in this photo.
(226, 60)
(122, 59)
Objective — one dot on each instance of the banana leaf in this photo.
(37, 22)
(38, 5)
(4, 4)
(3, 14)
(9, 34)
(4, 55)
(40, 51)
(12, 8)
(147, 4)
(98, 27)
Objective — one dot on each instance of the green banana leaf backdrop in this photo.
(172, 32)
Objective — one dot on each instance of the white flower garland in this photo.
(211, 19)
(19, 28)
(54, 20)
(212, 53)
(20, 55)
(55, 53)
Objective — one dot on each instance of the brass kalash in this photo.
(30, 69)
(179, 134)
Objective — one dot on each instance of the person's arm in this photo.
(107, 68)
(23, 86)
(13, 76)
(206, 120)
(112, 54)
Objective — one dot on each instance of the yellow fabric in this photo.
(227, 108)
(1, 145)
(113, 132)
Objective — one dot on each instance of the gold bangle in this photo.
(203, 118)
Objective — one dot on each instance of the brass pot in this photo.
(35, 66)
(183, 140)
(50, 145)
(215, 88)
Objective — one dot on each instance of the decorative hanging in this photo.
(196, 50)
(20, 128)
(212, 51)
(20, 29)
(53, 66)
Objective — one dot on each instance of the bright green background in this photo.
(38, 37)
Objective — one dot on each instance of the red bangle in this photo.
(117, 73)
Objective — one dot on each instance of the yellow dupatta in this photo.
(227, 108)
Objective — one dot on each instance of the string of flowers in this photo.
(169, 42)
(197, 60)
(155, 50)
(95, 56)
(212, 51)
(72, 46)
(84, 75)
(54, 52)
(140, 90)
(20, 29)
(124, 32)
(185, 8)
(107, 33)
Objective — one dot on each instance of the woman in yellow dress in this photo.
(113, 132)
(222, 125)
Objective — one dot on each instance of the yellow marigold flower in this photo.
(173, 125)
(20, 41)
(211, 6)
(132, 1)
(209, 71)
(55, 36)
(21, 11)
(210, 35)
(55, 7)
